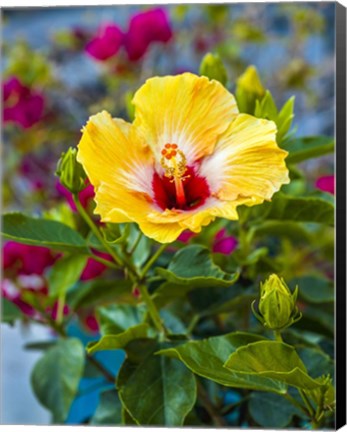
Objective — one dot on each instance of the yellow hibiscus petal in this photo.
(247, 163)
(162, 233)
(186, 110)
(119, 166)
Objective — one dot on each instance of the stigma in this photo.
(174, 163)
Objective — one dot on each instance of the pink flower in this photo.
(94, 268)
(145, 28)
(106, 43)
(24, 266)
(223, 243)
(21, 105)
(25, 259)
(85, 196)
(91, 323)
(326, 184)
(185, 236)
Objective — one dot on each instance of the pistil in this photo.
(175, 164)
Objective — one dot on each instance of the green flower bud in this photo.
(249, 89)
(71, 172)
(213, 68)
(277, 305)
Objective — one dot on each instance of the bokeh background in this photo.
(60, 65)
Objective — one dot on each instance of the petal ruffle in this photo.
(247, 163)
(119, 166)
(186, 110)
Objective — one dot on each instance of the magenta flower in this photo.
(185, 236)
(223, 243)
(94, 268)
(24, 266)
(21, 105)
(144, 29)
(326, 184)
(85, 196)
(25, 259)
(91, 323)
(106, 43)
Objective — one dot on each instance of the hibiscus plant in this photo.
(187, 250)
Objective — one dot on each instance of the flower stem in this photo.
(60, 309)
(307, 403)
(107, 263)
(152, 260)
(96, 231)
(278, 336)
(137, 242)
(152, 309)
(295, 403)
(216, 418)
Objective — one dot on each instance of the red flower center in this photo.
(196, 191)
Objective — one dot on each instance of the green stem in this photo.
(193, 323)
(60, 309)
(278, 336)
(96, 231)
(137, 242)
(307, 403)
(210, 408)
(152, 260)
(104, 261)
(296, 403)
(152, 309)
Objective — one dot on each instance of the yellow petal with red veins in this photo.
(186, 110)
(247, 163)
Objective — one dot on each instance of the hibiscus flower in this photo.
(188, 157)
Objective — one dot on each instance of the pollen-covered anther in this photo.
(174, 163)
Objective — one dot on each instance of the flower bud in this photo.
(277, 308)
(213, 68)
(71, 172)
(248, 89)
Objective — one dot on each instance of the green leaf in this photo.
(293, 230)
(193, 266)
(119, 340)
(305, 209)
(317, 362)
(284, 119)
(314, 289)
(114, 319)
(266, 108)
(65, 273)
(109, 409)
(10, 312)
(301, 149)
(207, 357)
(273, 360)
(156, 390)
(42, 232)
(270, 410)
(56, 376)
(100, 291)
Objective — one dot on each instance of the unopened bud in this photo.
(248, 89)
(71, 172)
(277, 305)
(213, 68)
